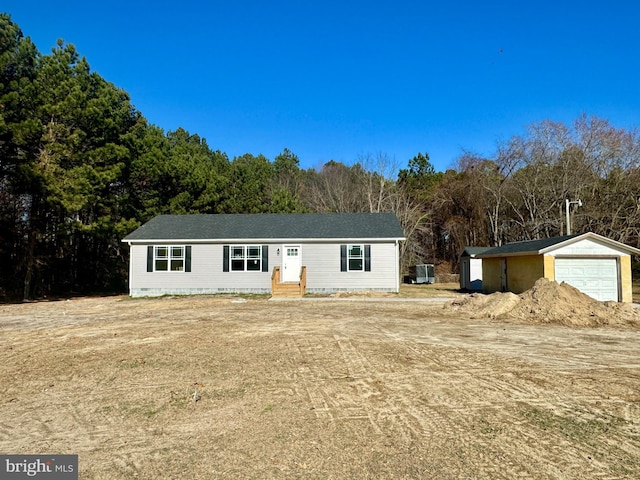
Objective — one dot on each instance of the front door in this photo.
(291, 263)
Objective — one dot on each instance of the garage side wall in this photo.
(549, 267)
(626, 280)
(523, 272)
(490, 275)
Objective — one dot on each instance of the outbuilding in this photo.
(280, 254)
(471, 268)
(596, 265)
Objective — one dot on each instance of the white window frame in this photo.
(249, 255)
(175, 254)
(351, 257)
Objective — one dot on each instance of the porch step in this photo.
(287, 290)
(291, 289)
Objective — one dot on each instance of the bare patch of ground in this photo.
(413, 291)
(312, 389)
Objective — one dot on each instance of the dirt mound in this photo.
(549, 302)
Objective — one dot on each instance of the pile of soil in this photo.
(549, 302)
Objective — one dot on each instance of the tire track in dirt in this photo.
(499, 398)
(388, 389)
(444, 415)
(472, 389)
(302, 352)
(5, 431)
(342, 389)
(383, 399)
(359, 369)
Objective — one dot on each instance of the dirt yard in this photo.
(223, 387)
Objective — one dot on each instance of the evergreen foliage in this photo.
(80, 168)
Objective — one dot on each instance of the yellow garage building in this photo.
(596, 265)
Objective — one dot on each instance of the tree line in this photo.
(80, 168)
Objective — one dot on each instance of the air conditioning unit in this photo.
(424, 273)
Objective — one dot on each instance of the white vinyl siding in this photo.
(206, 274)
(324, 275)
(587, 247)
(321, 259)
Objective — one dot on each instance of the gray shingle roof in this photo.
(473, 251)
(526, 246)
(269, 226)
(545, 245)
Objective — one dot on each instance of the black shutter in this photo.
(367, 258)
(343, 258)
(187, 258)
(265, 258)
(225, 258)
(150, 258)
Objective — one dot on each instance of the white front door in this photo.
(291, 263)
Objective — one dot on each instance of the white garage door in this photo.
(597, 277)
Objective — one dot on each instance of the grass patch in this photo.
(487, 428)
(128, 364)
(180, 401)
(585, 431)
(146, 411)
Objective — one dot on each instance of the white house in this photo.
(265, 253)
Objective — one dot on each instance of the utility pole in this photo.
(567, 210)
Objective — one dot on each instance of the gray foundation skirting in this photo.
(159, 292)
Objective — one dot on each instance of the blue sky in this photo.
(338, 80)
